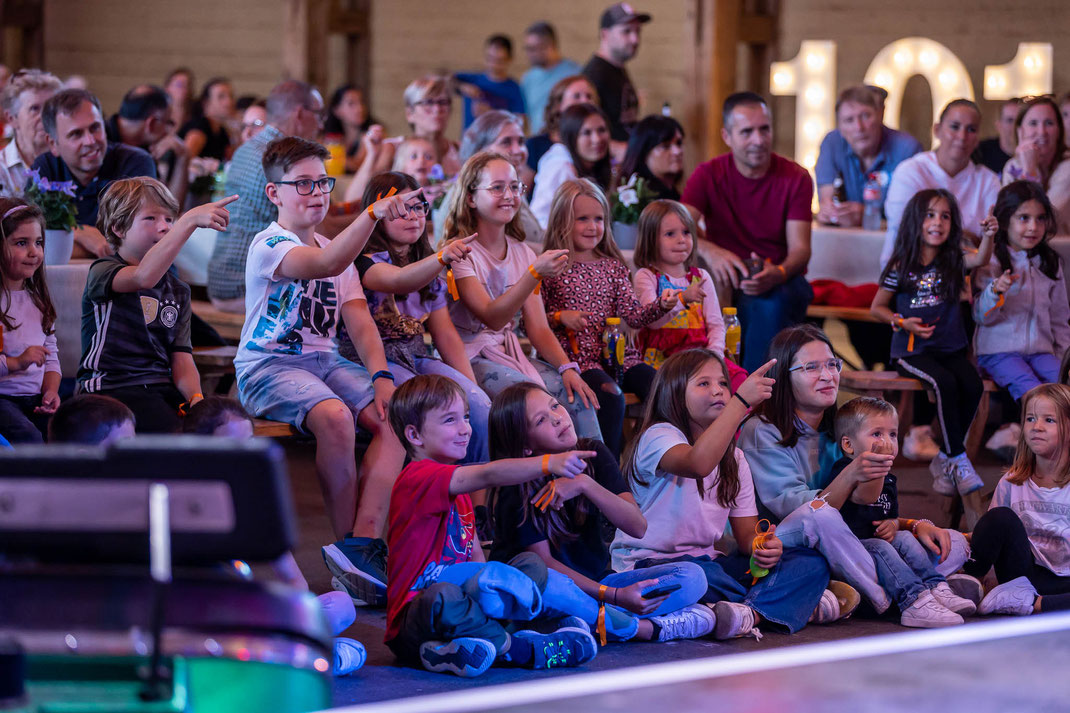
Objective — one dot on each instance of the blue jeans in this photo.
(905, 568)
(822, 528)
(1018, 373)
(762, 316)
(787, 596)
(478, 402)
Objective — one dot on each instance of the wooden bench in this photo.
(228, 324)
(879, 383)
(272, 429)
(844, 314)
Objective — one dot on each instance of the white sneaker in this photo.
(733, 621)
(349, 655)
(949, 600)
(965, 477)
(828, 609)
(927, 613)
(1017, 597)
(1004, 442)
(919, 444)
(839, 601)
(967, 587)
(940, 468)
(691, 622)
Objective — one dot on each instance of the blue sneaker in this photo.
(349, 655)
(565, 648)
(466, 657)
(359, 568)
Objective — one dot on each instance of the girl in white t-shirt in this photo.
(690, 481)
(1026, 533)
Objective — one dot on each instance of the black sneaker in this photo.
(359, 568)
(565, 648)
(466, 657)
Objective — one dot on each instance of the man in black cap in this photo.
(618, 41)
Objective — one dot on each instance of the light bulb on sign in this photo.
(898, 61)
(928, 59)
(1029, 73)
(811, 76)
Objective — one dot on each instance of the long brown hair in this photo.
(15, 212)
(508, 431)
(379, 241)
(461, 218)
(667, 403)
(649, 228)
(1025, 460)
(779, 409)
(1060, 142)
(563, 218)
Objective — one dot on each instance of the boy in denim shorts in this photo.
(298, 286)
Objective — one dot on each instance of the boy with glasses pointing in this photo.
(299, 286)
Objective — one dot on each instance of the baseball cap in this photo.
(620, 13)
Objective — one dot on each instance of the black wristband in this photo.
(384, 374)
(741, 399)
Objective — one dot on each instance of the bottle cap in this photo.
(729, 310)
(612, 320)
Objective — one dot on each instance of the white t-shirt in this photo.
(286, 317)
(555, 167)
(679, 522)
(975, 189)
(1045, 512)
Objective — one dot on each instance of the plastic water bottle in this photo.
(613, 345)
(871, 201)
(733, 334)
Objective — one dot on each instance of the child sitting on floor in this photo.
(913, 577)
(91, 420)
(446, 603)
(135, 312)
(298, 287)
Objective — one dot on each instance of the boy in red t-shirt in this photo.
(444, 601)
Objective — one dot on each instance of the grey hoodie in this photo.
(1032, 319)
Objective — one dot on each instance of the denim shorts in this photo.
(286, 388)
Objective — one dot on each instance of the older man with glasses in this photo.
(22, 100)
(294, 108)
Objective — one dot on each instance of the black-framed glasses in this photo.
(420, 207)
(498, 189)
(305, 186)
(813, 368)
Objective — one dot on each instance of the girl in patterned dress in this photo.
(665, 256)
(596, 286)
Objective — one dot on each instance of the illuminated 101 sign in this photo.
(811, 75)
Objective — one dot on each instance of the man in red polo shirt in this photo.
(756, 205)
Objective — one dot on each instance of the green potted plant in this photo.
(56, 201)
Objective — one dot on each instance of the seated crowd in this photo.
(477, 341)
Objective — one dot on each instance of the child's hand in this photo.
(886, 529)
(758, 387)
(1003, 283)
(564, 489)
(568, 464)
(694, 294)
(936, 539)
(771, 550)
(394, 207)
(551, 263)
(34, 356)
(457, 249)
(915, 326)
(211, 215)
(49, 402)
(989, 226)
(576, 386)
(668, 298)
(384, 389)
(574, 319)
(372, 141)
(631, 597)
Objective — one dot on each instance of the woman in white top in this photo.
(583, 152)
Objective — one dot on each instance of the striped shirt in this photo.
(248, 216)
(128, 337)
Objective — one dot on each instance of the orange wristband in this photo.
(783, 272)
(372, 212)
(546, 464)
(537, 276)
(440, 260)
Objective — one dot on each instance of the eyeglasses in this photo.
(254, 124)
(498, 189)
(432, 103)
(305, 186)
(419, 208)
(813, 368)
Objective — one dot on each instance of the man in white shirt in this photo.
(22, 100)
(948, 166)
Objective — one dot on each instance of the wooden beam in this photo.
(756, 29)
(304, 45)
(721, 31)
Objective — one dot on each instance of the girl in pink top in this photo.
(29, 360)
(665, 256)
(596, 285)
(500, 279)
